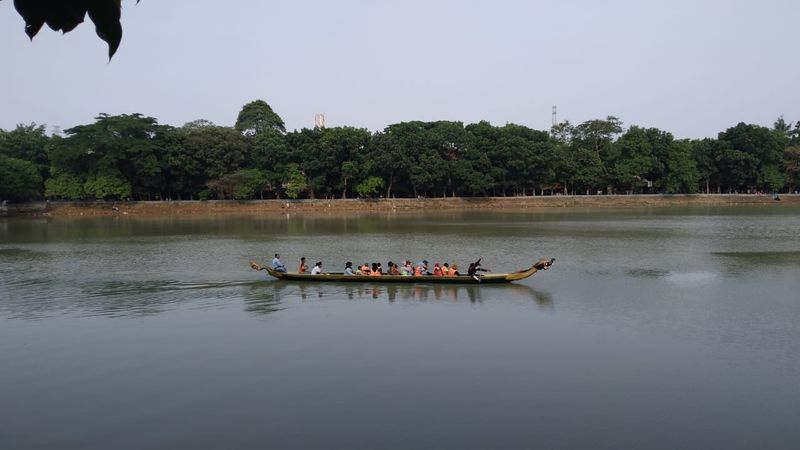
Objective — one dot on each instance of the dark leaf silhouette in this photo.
(65, 15)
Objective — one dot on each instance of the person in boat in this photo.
(277, 265)
(422, 269)
(380, 269)
(445, 270)
(408, 268)
(317, 268)
(375, 270)
(348, 268)
(437, 271)
(454, 271)
(474, 268)
(363, 269)
(393, 270)
(303, 266)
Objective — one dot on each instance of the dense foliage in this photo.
(132, 156)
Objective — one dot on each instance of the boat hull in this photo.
(425, 279)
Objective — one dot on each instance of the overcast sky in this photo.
(693, 68)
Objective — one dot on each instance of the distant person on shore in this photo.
(303, 266)
(317, 268)
(277, 265)
(348, 268)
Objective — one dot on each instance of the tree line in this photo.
(132, 156)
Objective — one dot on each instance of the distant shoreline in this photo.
(544, 203)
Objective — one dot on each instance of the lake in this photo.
(655, 328)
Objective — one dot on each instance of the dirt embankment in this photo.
(188, 208)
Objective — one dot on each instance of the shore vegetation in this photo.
(134, 157)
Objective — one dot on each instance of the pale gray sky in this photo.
(693, 68)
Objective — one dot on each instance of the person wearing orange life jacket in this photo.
(437, 271)
(421, 269)
(446, 270)
(375, 271)
(364, 269)
(303, 266)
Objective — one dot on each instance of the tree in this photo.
(107, 186)
(341, 151)
(370, 187)
(752, 156)
(65, 185)
(562, 132)
(705, 156)
(483, 153)
(130, 147)
(391, 159)
(304, 147)
(184, 171)
(596, 136)
(28, 143)
(634, 160)
(65, 15)
(294, 181)
(783, 131)
(19, 179)
(270, 153)
(242, 184)
(257, 117)
(791, 166)
(220, 150)
(681, 173)
(198, 123)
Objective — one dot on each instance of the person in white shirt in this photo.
(317, 268)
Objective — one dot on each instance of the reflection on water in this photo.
(648, 273)
(111, 298)
(694, 311)
(691, 279)
(739, 262)
(19, 253)
(267, 297)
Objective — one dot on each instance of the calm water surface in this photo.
(654, 329)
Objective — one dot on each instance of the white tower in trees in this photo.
(319, 120)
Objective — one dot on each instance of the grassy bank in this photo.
(166, 208)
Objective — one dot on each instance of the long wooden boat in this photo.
(484, 278)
